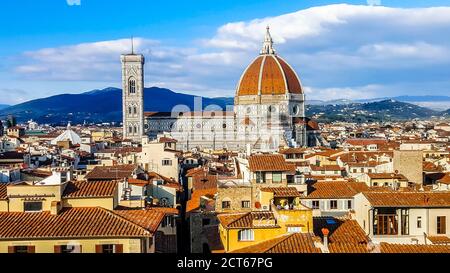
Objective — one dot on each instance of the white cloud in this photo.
(351, 93)
(73, 2)
(333, 48)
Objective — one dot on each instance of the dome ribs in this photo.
(250, 78)
(293, 81)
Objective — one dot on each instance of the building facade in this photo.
(268, 111)
(133, 96)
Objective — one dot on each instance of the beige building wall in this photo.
(107, 203)
(152, 157)
(48, 194)
(3, 205)
(235, 195)
(88, 245)
(410, 164)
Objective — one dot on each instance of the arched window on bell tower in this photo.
(132, 86)
(135, 110)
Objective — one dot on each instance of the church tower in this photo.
(133, 95)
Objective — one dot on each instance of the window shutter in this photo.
(57, 249)
(10, 249)
(321, 205)
(119, 248)
(98, 249)
(31, 249)
(443, 225)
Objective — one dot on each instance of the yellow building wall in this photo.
(284, 218)
(325, 160)
(107, 203)
(3, 206)
(260, 235)
(265, 198)
(51, 193)
(296, 217)
(88, 245)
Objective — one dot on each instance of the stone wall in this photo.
(409, 163)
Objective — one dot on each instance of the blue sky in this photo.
(201, 47)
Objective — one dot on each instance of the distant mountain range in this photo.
(101, 106)
(385, 110)
(106, 106)
(3, 106)
(438, 103)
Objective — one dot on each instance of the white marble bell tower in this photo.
(133, 95)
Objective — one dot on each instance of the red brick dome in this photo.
(269, 74)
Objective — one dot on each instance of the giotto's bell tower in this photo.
(133, 96)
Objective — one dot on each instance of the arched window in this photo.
(130, 129)
(135, 129)
(135, 110)
(129, 110)
(132, 86)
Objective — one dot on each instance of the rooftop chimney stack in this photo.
(325, 233)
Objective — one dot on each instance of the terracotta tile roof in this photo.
(121, 151)
(158, 114)
(365, 141)
(204, 180)
(365, 164)
(326, 168)
(3, 190)
(387, 176)
(442, 239)
(137, 182)
(246, 220)
(37, 173)
(272, 162)
(325, 177)
(167, 211)
(282, 191)
(148, 219)
(348, 248)
(399, 248)
(335, 189)
(193, 171)
(167, 140)
(408, 199)
(69, 223)
(194, 202)
(111, 172)
(249, 82)
(329, 153)
(156, 176)
(362, 156)
(288, 243)
(293, 151)
(82, 189)
(431, 167)
(445, 179)
(341, 230)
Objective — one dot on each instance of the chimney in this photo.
(55, 207)
(325, 233)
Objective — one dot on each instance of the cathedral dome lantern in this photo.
(268, 74)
